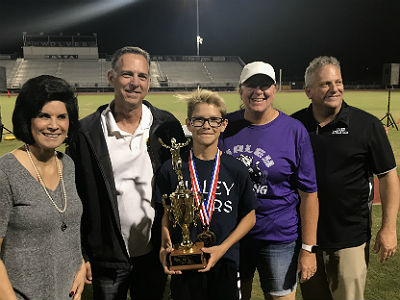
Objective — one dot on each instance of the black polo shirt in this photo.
(347, 152)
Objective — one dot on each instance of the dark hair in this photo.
(35, 93)
(128, 50)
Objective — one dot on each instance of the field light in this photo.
(77, 14)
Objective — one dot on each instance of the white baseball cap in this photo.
(254, 68)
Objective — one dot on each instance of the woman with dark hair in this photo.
(40, 210)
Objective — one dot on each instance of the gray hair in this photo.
(128, 50)
(317, 63)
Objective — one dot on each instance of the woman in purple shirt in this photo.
(277, 152)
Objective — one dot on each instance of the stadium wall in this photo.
(31, 52)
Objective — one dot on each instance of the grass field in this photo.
(374, 102)
(382, 280)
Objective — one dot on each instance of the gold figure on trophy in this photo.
(184, 212)
(175, 149)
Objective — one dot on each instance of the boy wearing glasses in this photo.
(228, 203)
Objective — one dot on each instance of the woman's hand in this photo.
(307, 265)
(79, 282)
(6, 290)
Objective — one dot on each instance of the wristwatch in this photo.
(309, 248)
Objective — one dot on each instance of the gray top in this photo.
(41, 259)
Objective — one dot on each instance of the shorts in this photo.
(276, 264)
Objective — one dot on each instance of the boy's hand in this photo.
(215, 252)
(164, 251)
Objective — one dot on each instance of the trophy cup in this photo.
(184, 212)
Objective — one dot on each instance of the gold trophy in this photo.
(184, 212)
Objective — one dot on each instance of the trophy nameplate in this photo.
(187, 259)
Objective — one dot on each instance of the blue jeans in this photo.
(276, 264)
(145, 279)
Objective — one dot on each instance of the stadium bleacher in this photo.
(92, 74)
(80, 65)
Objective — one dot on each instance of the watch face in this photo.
(314, 249)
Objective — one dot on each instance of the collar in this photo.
(342, 118)
(112, 128)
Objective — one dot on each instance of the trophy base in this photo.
(187, 259)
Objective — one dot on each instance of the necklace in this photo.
(63, 226)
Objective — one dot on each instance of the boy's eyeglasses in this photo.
(214, 122)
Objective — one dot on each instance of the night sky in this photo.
(362, 34)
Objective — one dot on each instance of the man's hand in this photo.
(307, 265)
(88, 273)
(386, 243)
(386, 238)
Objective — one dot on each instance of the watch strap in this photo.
(309, 248)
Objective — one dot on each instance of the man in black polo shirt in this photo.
(349, 146)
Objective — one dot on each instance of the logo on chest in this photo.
(340, 131)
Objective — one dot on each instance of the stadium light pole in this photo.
(197, 22)
(199, 39)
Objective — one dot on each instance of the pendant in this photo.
(208, 237)
(63, 226)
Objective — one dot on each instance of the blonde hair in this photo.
(203, 96)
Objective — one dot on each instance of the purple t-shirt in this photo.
(280, 160)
